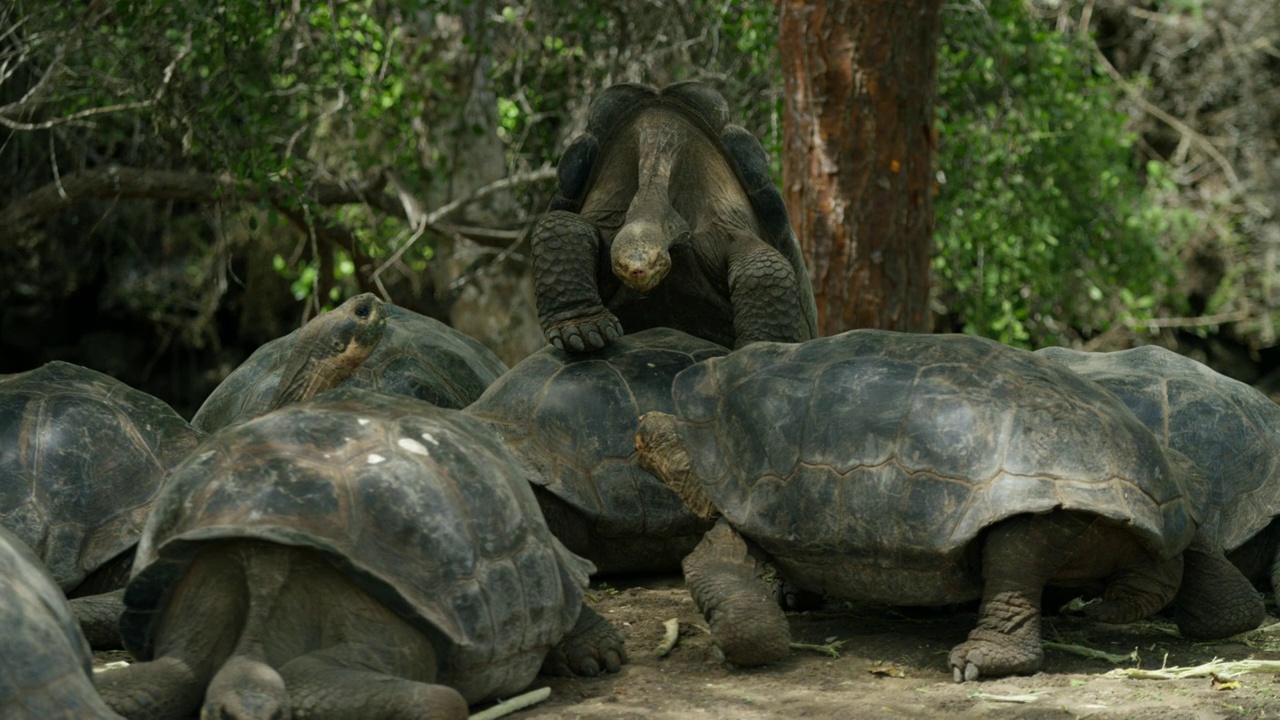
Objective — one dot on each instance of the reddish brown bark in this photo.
(858, 153)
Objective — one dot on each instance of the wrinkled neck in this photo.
(658, 148)
(311, 370)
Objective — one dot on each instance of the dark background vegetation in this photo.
(182, 181)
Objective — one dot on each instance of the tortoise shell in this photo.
(46, 668)
(703, 105)
(422, 507)
(867, 463)
(418, 357)
(1230, 430)
(82, 456)
(572, 416)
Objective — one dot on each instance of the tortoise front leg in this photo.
(726, 580)
(765, 294)
(566, 250)
(592, 647)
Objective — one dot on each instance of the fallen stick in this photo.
(519, 702)
(1221, 668)
(1004, 698)
(670, 639)
(1092, 653)
(831, 649)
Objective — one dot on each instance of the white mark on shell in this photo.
(412, 446)
(363, 421)
(649, 364)
(430, 439)
(375, 458)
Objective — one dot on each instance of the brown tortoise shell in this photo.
(418, 357)
(867, 463)
(82, 456)
(573, 416)
(423, 507)
(1230, 430)
(47, 670)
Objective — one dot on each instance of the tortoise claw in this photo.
(592, 331)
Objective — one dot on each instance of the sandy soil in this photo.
(893, 664)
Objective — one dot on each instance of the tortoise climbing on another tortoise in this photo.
(362, 343)
(573, 418)
(82, 456)
(925, 470)
(46, 669)
(666, 216)
(1230, 430)
(353, 555)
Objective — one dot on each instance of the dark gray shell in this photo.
(1230, 430)
(46, 668)
(896, 450)
(423, 507)
(82, 456)
(707, 108)
(573, 416)
(418, 357)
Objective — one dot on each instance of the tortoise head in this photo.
(330, 348)
(662, 453)
(640, 255)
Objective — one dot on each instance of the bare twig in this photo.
(413, 207)
(519, 702)
(1197, 321)
(1187, 132)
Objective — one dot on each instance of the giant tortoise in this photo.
(924, 470)
(82, 456)
(362, 343)
(46, 670)
(666, 216)
(573, 418)
(1227, 428)
(353, 555)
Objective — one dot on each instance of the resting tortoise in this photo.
(46, 669)
(1230, 430)
(573, 418)
(666, 216)
(925, 470)
(82, 456)
(353, 555)
(363, 343)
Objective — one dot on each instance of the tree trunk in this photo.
(860, 78)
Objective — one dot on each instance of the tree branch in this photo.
(21, 217)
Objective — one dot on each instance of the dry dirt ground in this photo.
(893, 664)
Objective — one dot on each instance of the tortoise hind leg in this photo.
(333, 684)
(99, 618)
(725, 578)
(1215, 600)
(1006, 639)
(1021, 555)
(195, 636)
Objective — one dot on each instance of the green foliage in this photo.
(1043, 223)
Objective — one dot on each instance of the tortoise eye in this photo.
(362, 310)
